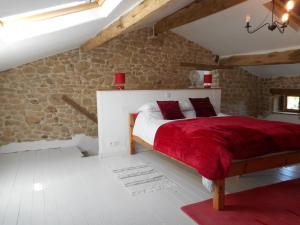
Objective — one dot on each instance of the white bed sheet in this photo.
(147, 123)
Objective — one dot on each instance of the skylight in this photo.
(38, 22)
(13, 18)
(51, 12)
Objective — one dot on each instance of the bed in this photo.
(146, 130)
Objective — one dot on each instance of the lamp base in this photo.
(119, 86)
(207, 85)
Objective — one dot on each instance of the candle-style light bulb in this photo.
(248, 18)
(285, 17)
(290, 5)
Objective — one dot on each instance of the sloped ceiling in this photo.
(84, 26)
(70, 33)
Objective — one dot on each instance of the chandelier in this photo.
(274, 24)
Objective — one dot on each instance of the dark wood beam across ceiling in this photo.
(273, 58)
(208, 67)
(194, 11)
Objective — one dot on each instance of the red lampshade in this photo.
(207, 80)
(119, 78)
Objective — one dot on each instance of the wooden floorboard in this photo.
(84, 191)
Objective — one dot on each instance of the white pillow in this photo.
(184, 105)
(154, 115)
(149, 107)
(189, 114)
(159, 116)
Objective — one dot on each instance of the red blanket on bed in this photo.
(210, 144)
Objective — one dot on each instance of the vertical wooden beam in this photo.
(131, 121)
(219, 194)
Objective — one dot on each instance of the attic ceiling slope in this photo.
(84, 26)
(126, 22)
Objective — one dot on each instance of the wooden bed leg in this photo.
(132, 146)
(219, 194)
(131, 141)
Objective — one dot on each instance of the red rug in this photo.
(277, 204)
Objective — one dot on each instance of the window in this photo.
(31, 24)
(286, 100)
(292, 103)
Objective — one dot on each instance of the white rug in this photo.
(140, 178)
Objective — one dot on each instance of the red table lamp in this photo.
(207, 80)
(119, 81)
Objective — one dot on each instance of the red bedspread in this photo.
(210, 144)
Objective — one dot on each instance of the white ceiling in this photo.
(223, 33)
(160, 14)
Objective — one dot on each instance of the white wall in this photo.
(113, 108)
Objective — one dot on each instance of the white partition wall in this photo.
(114, 106)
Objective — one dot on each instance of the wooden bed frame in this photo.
(236, 169)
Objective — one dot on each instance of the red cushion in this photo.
(170, 110)
(203, 107)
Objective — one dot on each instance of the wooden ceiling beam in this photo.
(208, 67)
(125, 22)
(294, 19)
(194, 11)
(273, 58)
(281, 91)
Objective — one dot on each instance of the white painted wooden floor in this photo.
(58, 187)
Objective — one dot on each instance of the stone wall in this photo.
(240, 92)
(30, 95)
(246, 94)
(291, 81)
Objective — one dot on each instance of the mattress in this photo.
(147, 124)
